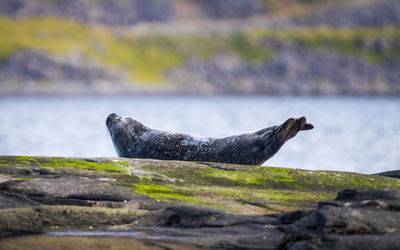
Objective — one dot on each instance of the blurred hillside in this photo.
(200, 47)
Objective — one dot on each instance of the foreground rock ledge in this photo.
(171, 204)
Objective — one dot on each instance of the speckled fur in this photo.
(132, 139)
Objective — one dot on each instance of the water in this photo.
(132, 234)
(351, 134)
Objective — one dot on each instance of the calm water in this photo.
(351, 134)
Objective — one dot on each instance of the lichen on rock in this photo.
(192, 204)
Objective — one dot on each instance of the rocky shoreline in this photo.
(246, 47)
(47, 202)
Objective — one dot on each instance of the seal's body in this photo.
(132, 139)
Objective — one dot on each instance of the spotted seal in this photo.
(132, 139)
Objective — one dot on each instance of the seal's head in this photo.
(123, 131)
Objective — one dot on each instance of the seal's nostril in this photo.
(110, 118)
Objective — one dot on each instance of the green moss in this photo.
(241, 189)
(145, 59)
(25, 179)
(270, 200)
(60, 162)
(246, 176)
(232, 199)
(270, 177)
(248, 49)
(166, 193)
(142, 59)
(267, 188)
(99, 166)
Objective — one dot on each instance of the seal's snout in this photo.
(112, 117)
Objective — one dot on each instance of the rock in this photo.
(33, 66)
(13, 200)
(384, 242)
(130, 12)
(191, 205)
(394, 174)
(152, 183)
(215, 9)
(183, 216)
(4, 178)
(33, 72)
(75, 188)
(40, 218)
(354, 15)
(385, 197)
(101, 12)
(294, 69)
(357, 219)
(289, 218)
(83, 243)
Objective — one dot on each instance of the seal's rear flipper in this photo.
(304, 125)
(284, 132)
(308, 126)
(291, 127)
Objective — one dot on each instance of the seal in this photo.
(132, 139)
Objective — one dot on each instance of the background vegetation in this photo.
(149, 57)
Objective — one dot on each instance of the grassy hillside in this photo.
(146, 59)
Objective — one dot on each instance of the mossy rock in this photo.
(47, 242)
(233, 188)
(39, 218)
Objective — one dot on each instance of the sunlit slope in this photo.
(147, 59)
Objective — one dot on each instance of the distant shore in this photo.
(252, 47)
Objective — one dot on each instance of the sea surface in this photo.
(351, 133)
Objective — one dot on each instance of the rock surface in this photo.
(394, 174)
(293, 69)
(367, 219)
(33, 72)
(116, 202)
(130, 12)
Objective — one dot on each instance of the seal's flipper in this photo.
(308, 126)
(291, 127)
(304, 124)
(284, 132)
